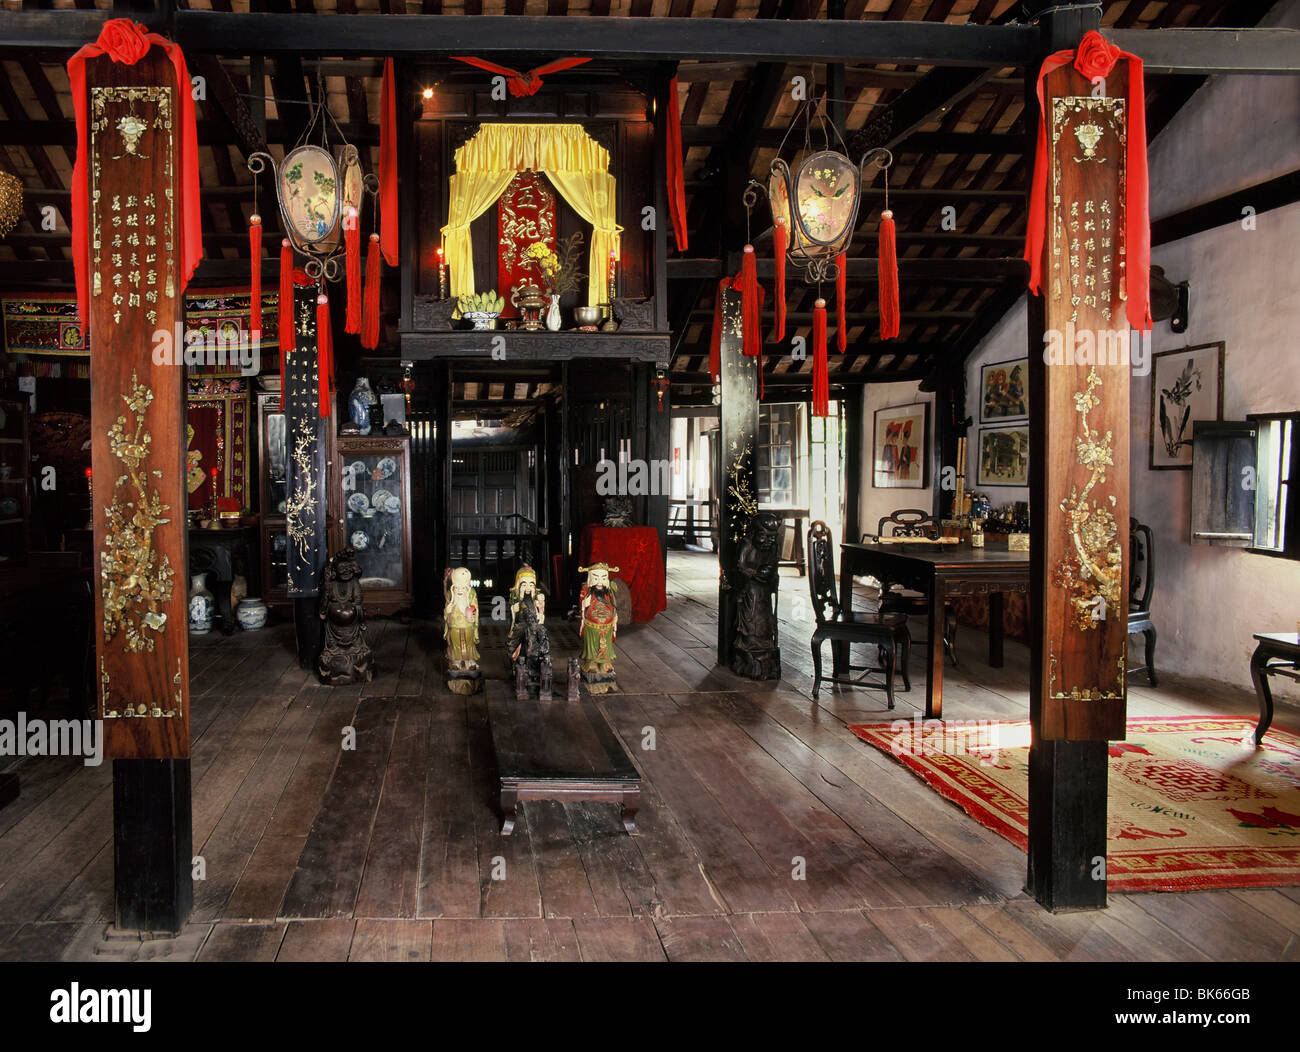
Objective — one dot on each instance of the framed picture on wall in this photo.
(1004, 456)
(1186, 386)
(1004, 390)
(901, 448)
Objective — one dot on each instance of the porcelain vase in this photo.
(553, 313)
(202, 606)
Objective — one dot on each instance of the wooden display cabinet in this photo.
(272, 493)
(370, 509)
(15, 489)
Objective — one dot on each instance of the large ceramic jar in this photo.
(251, 614)
(202, 606)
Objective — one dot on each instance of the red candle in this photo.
(442, 274)
(613, 280)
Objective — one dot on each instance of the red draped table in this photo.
(635, 551)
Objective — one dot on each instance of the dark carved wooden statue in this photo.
(755, 653)
(346, 656)
(529, 643)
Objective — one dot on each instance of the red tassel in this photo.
(286, 297)
(821, 381)
(888, 278)
(750, 321)
(352, 248)
(779, 248)
(370, 312)
(841, 329)
(325, 353)
(715, 345)
(255, 281)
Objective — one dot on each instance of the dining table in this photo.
(940, 571)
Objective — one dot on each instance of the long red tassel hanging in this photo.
(750, 319)
(352, 249)
(284, 317)
(779, 246)
(255, 280)
(841, 328)
(821, 381)
(286, 297)
(370, 312)
(715, 344)
(325, 353)
(887, 277)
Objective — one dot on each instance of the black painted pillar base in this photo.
(1067, 824)
(153, 888)
(307, 626)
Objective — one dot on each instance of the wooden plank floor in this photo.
(768, 832)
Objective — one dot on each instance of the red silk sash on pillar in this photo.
(128, 42)
(1096, 57)
(388, 239)
(676, 169)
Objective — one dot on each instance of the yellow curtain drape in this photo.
(471, 194)
(576, 165)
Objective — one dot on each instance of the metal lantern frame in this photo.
(814, 255)
(341, 159)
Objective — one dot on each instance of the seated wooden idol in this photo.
(529, 644)
(460, 630)
(346, 656)
(599, 627)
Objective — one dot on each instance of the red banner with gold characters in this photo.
(1088, 233)
(525, 214)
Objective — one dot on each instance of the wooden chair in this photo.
(913, 522)
(886, 631)
(1142, 579)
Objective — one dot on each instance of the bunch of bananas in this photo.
(481, 302)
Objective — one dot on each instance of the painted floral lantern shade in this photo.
(826, 194)
(310, 201)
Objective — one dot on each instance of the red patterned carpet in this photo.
(1193, 804)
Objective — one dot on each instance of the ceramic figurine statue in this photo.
(599, 627)
(460, 630)
(346, 656)
(529, 645)
(359, 403)
(754, 653)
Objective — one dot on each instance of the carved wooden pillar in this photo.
(138, 457)
(737, 489)
(1079, 398)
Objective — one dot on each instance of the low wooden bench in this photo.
(1278, 654)
(558, 750)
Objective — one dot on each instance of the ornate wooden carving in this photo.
(1087, 409)
(137, 410)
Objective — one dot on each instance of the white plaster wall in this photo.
(1210, 600)
(1233, 133)
(877, 502)
(1005, 341)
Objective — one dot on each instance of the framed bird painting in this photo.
(1186, 386)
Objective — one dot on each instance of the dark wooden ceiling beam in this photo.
(861, 268)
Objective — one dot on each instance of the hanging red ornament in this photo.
(751, 321)
(821, 381)
(779, 244)
(841, 328)
(255, 281)
(352, 270)
(324, 353)
(715, 343)
(286, 297)
(370, 312)
(887, 277)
